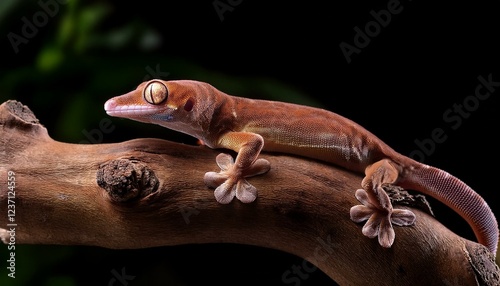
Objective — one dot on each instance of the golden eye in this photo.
(155, 92)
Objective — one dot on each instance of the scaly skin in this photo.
(248, 126)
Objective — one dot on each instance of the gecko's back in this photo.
(294, 129)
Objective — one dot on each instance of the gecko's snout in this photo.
(110, 106)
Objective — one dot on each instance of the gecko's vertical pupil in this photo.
(155, 92)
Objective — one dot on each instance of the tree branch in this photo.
(149, 192)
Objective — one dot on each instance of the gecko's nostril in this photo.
(110, 105)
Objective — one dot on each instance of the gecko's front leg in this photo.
(231, 180)
(376, 206)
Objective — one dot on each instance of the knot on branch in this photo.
(21, 111)
(126, 180)
(483, 264)
(18, 116)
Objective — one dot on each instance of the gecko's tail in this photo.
(458, 196)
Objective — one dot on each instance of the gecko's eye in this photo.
(155, 92)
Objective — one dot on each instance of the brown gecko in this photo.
(248, 126)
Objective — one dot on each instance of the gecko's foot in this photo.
(379, 221)
(231, 182)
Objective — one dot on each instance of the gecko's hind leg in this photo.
(231, 181)
(376, 206)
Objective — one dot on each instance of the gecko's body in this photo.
(247, 126)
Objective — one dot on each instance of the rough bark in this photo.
(149, 192)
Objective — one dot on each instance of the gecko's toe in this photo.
(366, 200)
(213, 179)
(380, 225)
(224, 161)
(366, 210)
(402, 217)
(224, 187)
(245, 192)
(372, 226)
(259, 167)
(360, 213)
(225, 193)
(386, 233)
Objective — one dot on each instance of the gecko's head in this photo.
(172, 104)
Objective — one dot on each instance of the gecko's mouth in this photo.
(134, 111)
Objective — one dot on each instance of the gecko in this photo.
(249, 126)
